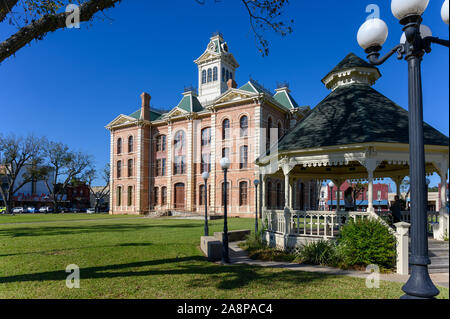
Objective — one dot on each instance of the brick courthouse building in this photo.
(157, 158)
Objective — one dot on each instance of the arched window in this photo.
(244, 126)
(243, 196)
(119, 146)
(203, 76)
(226, 129)
(119, 196)
(130, 195)
(231, 75)
(155, 195)
(179, 153)
(164, 195)
(119, 169)
(130, 144)
(280, 130)
(130, 167)
(209, 75)
(223, 74)
(227, 75)
(206, 136)
(269, 194)
(243, 157)
(215, 73)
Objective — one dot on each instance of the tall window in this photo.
(179, 153)
(209, 75)
(119, 196)
(119, 169)
(227, 75)
(243, 162)
(269, 126)
(161, 143)
(231, 75)
(203, 76)
(244, 126)
(155, 195)
(130, 144)
(163, 195)
(226, 152)
(179, 165)
(215, 74)
(119, 146)
(228, 193)
(226, 129)
(223, 74)
(201, 194)
(130, 167)
(158, 167)
(280, 130)
(206, 162)
(206, 136)
(163, 167)
(130, 195)
(243, 189)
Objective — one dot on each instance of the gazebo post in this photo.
(370, 193)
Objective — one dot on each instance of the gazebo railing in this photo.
(325, 224)
(432, 218)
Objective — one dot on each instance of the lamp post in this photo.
(414, 44)
(256, 182)
(205, 176)
(331, 184)
(225, 164)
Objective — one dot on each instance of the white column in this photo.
(286, 190)
(370, 193)
(443, 192)
(402, 247)
(291, 193)
(287, 211)
(263, 189)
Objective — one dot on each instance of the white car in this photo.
(18, 210)
(90, 210)
(31, 210)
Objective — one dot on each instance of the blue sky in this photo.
(70, 85)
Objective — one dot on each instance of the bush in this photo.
(319, 253)
(257, 249)
(366, 242)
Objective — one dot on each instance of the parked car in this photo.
(18, 210)
(74, 210)
(31, 210)
(2, 210)
(90, 210)
(46, 209)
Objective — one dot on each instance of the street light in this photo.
(371, 36)
(205, 176)
(256, 182)
(331, 184)
(225, 164)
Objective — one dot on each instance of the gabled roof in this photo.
(354, 114)
(154, 115)
(284, 98)
(254, 87)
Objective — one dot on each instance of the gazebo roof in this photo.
(353, 114)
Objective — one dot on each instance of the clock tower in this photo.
(215, 67)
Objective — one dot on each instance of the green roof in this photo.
(190, 103)
(153, 115)
(353, 114)
(254, 87)
(285, 99)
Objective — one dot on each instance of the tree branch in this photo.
(6, 7)
(49, 23)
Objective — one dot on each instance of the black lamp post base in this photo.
(419, 285)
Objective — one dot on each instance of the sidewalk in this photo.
(239, 256)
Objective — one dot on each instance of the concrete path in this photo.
(240, 256)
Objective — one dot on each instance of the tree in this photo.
(358, 188)
(98, 193)
(19, 164)
(61, 168)
(35, 18)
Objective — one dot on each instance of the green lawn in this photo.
(126, 257)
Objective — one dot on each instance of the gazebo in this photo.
(356, 134)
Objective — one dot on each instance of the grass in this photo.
(123, 257)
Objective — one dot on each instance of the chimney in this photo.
(145, 106)
(231, 84)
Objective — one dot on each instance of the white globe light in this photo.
(403, 8)
(225, 163)
(444, 12)
(331, 184)
(205, 175)
(424, 32)
(373, 32)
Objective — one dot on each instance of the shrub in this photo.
(320, 252)
(257, 249)
(366, 242)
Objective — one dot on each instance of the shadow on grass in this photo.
(82, 229)
(221, 276)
